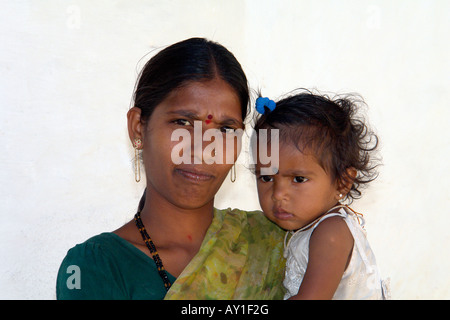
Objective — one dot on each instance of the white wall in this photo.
(67, 74)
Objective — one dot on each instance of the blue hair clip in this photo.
(264, 102)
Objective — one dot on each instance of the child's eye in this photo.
(266, 178)
(182, 122)
(300, 179)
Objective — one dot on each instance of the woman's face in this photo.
(200, 105)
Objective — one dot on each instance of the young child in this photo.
(325, 156)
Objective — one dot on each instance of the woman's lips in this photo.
(281, 214)
(194, 175)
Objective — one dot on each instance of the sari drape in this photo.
(241, 258)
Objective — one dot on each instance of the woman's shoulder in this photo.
(102, 244)
(87, 265)
(253, 216)
(257, 222)
(107, 266)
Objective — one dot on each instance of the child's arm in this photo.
(330, 249)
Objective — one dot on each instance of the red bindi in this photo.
(209, 118)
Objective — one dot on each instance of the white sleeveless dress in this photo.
(361, 279)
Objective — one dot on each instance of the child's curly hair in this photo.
(331, 129)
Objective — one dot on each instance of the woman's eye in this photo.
(182, 122)
(300, 179)
(227, 130)
(265, 178)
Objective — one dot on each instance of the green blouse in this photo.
(241, 257)
(109, 268)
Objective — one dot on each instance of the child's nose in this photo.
(280, 191)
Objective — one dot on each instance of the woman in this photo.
(179, 246)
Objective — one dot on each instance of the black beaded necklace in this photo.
(151, 246)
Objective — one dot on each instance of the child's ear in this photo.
(346, 182)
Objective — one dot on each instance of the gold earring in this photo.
(233, 173)
(137, 144)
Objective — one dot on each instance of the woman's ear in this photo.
(135, 125)
(346, 182)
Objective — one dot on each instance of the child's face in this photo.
(300, 192)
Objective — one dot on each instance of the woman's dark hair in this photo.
(331, 129)
(194, 59)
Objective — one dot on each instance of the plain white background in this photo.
(68, 70)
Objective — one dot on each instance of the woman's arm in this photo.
(330, 249)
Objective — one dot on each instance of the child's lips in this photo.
(282, 214)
